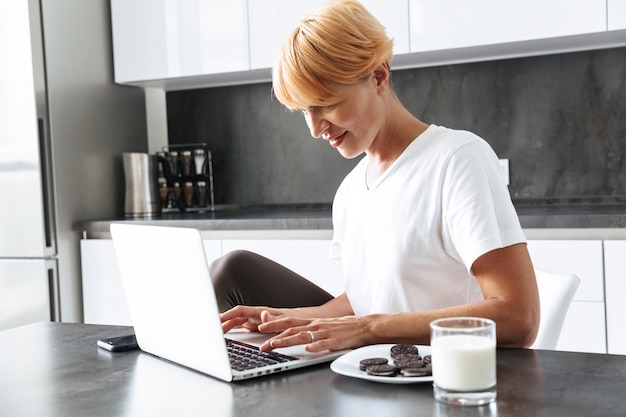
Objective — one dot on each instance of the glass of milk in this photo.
(463, 353)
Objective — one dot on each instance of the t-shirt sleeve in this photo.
(478, 215)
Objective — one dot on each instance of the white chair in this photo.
(555, 296)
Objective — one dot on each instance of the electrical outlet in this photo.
(504, 165)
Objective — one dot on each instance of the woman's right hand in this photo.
(248, 317)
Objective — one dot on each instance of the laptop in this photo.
(174, 311)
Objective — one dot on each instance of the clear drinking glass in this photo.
(463, 352)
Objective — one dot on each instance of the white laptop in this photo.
(173, 306)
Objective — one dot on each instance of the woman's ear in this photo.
(382, 75)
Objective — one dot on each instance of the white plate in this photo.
(348, 364)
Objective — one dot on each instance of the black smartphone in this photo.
(119, 344)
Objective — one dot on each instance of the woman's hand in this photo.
(335, 327)
(317, 334)
(248, 318)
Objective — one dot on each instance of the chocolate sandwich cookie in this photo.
(417, 371)
(427, 359)
(382, 370)
(371, 361)
(403, 349)
(406, 357)
(414, 362)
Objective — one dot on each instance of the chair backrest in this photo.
(555, 296)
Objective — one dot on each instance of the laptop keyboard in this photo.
(243, 356)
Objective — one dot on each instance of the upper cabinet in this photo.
(271, 21)
(184, 44)
(616, 14)
(448, 24)
(161, 39)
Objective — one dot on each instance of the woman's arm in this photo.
(507, 280)
(337, 307)
(506, 277)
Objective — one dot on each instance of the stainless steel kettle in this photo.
(142, 195)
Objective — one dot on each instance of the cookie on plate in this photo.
(372, 361)
(382, 370)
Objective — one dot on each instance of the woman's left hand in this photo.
(317, 334)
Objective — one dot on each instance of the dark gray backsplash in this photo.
(559, 119)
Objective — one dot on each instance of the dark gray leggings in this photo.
(246, 278)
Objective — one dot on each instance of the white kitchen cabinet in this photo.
(175, 44)
(394, 15)
(448, 24)
(616, 13)
(615, 276)
(271, 21)
(161, 39)
(584, 329)
(308, 257)
(104, 299)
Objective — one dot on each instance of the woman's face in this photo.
(351, 124)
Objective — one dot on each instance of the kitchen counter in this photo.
(563, 215)
(317, 217)
(55, 369)
(277, 217)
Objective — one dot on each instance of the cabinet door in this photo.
(584, 329)
(615, 275)
(308, 258)
(580, 257)
(160, 39)
(447, 24)
(271, 21)
(394, 15)
(104, 299)
(616, 12)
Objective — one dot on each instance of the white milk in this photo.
(464, 362)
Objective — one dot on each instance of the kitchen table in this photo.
(55, 369)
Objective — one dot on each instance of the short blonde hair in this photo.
(341, 42)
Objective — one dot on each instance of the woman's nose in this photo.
(317, 124)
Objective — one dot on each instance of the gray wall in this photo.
(560, 119)
(92, 122)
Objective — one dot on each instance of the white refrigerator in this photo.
(28, 264)
(64, 125)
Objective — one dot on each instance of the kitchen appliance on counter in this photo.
(185, 178)
(141, 198)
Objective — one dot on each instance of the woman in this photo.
(424, 225)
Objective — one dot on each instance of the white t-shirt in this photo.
(408, 243)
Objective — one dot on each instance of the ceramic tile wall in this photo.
(559, 119)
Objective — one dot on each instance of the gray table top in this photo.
(55, 369)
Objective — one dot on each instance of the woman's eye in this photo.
(317, 109)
